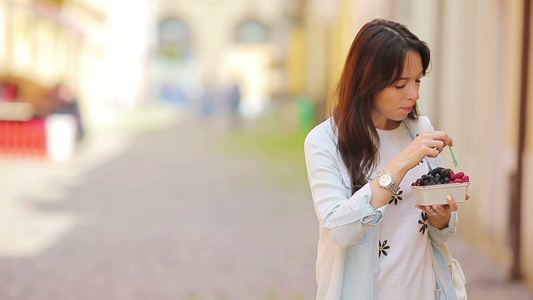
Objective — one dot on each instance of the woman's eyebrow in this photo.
(405, 78)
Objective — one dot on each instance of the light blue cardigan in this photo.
(347, 257)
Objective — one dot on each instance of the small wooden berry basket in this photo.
(436, 194)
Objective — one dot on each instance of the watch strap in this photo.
(393, 186)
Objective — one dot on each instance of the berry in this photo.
(418, 182)
(441, 175)
(437, 170)
(446, 173)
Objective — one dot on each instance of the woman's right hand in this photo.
(428, 143)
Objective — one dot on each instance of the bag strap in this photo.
(446, 253)
(443, 274)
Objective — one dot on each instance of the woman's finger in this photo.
(427, 209)
(452, 203)
(440, 210)
(440, 145)
(439, 135)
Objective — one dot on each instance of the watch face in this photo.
(385, 180)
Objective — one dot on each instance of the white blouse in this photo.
(405, 269)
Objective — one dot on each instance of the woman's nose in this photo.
(413, 93)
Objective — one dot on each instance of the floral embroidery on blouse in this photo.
(396, 198)
(423, 222)
(383, 247)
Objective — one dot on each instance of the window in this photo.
(251, 31)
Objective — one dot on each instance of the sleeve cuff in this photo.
(453, 221)
(376, 217)
(451, 229)
(358, 208)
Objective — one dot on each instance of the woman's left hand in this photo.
(439, 215)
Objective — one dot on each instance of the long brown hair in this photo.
(374, 62)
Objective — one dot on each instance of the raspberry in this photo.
(459, 175)
(457, 180)
(453, 177)
(465, 178)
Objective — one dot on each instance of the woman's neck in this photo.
(387, 124)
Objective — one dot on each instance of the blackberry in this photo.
(446, 173)
(437, 170)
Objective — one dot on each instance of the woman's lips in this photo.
(407, 109)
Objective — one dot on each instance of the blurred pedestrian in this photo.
(9, 91)
(65, 101)
(374, 242)
(234, 102)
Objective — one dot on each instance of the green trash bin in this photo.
(306, 110)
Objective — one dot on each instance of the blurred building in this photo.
(215, 44)
(90, 44)
(473, 91)
(175, 51)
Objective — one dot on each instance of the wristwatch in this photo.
(386, 181)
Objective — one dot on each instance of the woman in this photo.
(375, 243)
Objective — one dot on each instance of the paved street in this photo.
(166, 215)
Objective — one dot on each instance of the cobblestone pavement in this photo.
(164, 215)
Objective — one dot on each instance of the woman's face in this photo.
(396, 101)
